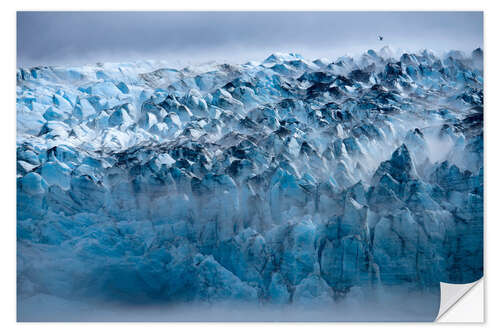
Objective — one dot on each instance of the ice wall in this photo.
(283, 183)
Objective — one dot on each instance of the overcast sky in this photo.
(61, 38)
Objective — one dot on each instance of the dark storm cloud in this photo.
(84, 37)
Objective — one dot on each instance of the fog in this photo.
(391, 304)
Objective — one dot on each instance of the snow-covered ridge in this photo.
(289, 181)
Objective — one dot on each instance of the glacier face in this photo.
(286, 183)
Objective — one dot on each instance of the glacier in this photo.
(292, 189)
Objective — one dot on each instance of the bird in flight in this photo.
(380, 37)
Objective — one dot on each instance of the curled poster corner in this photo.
(456, 296)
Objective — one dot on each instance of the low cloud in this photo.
(60, 38)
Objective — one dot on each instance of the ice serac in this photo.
(288, 183)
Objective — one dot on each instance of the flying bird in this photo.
(380, 37)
